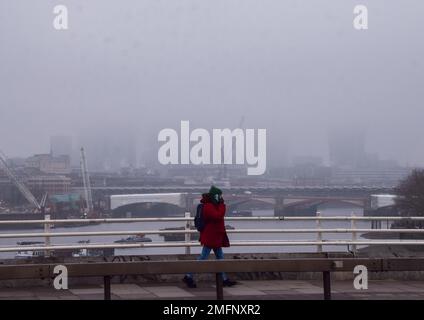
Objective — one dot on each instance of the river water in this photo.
(281, 224)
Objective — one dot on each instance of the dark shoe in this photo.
(229, 283)
(189, 282)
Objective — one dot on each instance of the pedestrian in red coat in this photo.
(213, 236)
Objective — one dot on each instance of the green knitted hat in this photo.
(214, 190)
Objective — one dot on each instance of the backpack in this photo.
(199, 222)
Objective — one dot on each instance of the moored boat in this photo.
(134, 239)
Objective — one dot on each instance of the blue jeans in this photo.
(204, 255)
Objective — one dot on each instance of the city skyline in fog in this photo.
(302, 72)
(113, 152)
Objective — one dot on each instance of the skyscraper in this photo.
(110, 150)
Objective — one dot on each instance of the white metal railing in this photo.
(187, 243)
(258, 218)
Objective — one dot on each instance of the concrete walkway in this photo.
(256, 290)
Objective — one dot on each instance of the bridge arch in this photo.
(164, 204)
(251, 203)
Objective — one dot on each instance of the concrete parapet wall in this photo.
(200, 277)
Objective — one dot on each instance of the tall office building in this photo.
(347, 148)
(110, 150)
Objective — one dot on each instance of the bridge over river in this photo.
(257, 190)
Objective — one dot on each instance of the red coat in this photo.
(214, 234)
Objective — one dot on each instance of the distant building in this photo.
(110, 151)
(347, 148)
(60, 146)
(308, 160)
(16, 162)
(49, 164)
(52, 184)
(65, 205)
(372, 176)
(304, 174)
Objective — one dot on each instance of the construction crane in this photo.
(86, 183)
(18, 183)
(43, 202)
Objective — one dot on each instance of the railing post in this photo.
(353, 227)
(376, 224)
(326, 277)
(47, 238)
(219, 287)
(187, 235)
(106, 283)
(319, 233)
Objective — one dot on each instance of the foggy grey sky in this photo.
(296, 68)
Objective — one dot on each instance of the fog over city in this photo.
(131, 68)
(140, 138)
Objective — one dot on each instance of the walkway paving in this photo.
(257, 290)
